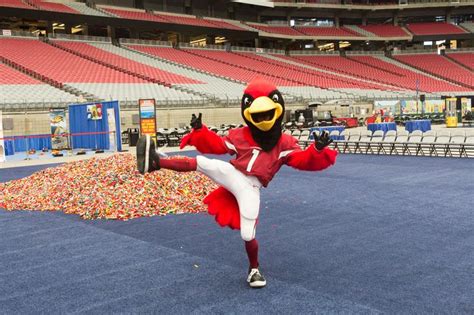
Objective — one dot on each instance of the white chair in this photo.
(388, 142)
(350, 143)
(443, 138)
(401, 142)
(413, 143)
(458, 138)
(363, 144)
(428, 142)
(376, 142)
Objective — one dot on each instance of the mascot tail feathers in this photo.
(222, 204)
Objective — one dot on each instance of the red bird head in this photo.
(262, 109)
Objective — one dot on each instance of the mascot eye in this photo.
(276, 98)
(247, 101)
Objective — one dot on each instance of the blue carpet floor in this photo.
(370, 235)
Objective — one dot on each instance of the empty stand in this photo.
(465, 59)
(298, 74)
(220, 23)
(272, 29)
(210, 85)
(124, 64)
(132, 14)
(327, 31)
(65, 68)
(15, 4)
(52, 6)
(434, 28)
(84, 9)
(384, 30)
(404, 77)
(193, 58)
(439, 66)
(184, 19)
(17, 87)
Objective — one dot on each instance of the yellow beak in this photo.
(260, 105)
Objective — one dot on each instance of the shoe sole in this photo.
(257, 284)
(143, 147)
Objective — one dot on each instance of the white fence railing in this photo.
(13, 33)
(312, 52)
(131, 41)
(86, 38)
(415, 51)
(208, 47)
(466, 49)
(361, 52)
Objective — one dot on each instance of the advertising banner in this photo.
(94, 111)
(57, 120)
(112, 128)
(466, 105)
(2, 142)
(147, 108)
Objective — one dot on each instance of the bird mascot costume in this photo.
(260, 150)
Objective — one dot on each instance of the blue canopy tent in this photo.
(87, 133)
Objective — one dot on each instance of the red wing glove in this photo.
(203, 139)
(322, 141)
(316, 157)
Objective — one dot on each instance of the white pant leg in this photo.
(246, 190)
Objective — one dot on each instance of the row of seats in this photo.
(440, 66)
(466, 59)
(125, 64)
(210, 85)
(384, 30)
(413, 80)
(194, 59)
(156, 16)
(434, 28)
(375, 68)
(430, 143)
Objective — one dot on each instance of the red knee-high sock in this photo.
(179, 165)
(252, 252)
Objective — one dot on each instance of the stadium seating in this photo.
(384, 30)
(434, 28)
(199, 59)
(273, 29)
(84, 9)
(17, 87)
(65, 68)
(132, 14)
(295, 73)
(15, 4)
(52, 6)
(221, 23)
(466, 59)
(439, 66)
(124, 64)
(403, 77)
(327, 31)
(184, 19)
(210, 85)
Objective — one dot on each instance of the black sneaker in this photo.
(255, 279)
(148, 159)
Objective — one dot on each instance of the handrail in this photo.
(415, 51)
(15, 33)
(313, 52)
(362, 52)
(86, 38)
(145, 42)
